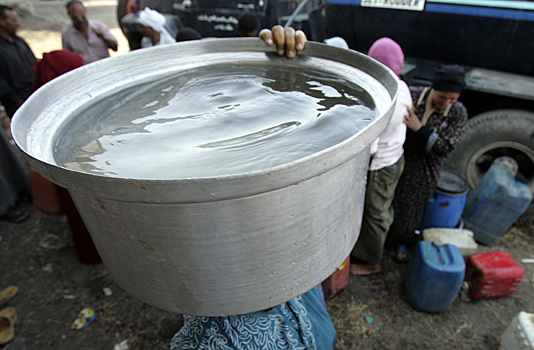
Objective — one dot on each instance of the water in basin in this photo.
(214, 120)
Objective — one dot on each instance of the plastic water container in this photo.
(337, 281)
(462, 238)
(45, 194)
(435, 276)
(495, 204)
(492, 275)
(447, 204)
(519, 335)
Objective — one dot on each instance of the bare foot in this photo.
(364, 269)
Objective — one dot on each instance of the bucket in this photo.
(519, 334)
(493, 206)
(445, 207)
(223, 244)
(45, 195)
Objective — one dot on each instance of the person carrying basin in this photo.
(300, 323)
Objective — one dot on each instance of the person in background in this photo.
(288, 41)
(54, 64)
(16, 85)
(152, 25)
(247, 25)
(435, 126)
(14, 182)
(385, 169)
(337, 41)
(187, 34)
(16, 61)
(88, 38)
(300, 323)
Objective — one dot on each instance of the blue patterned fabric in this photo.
(299, 324)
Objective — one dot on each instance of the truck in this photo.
(492, 39)
(211, 18)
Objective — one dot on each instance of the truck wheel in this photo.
(496, 135)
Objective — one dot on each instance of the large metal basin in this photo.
(220, 245)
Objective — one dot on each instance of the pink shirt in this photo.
(92, 49)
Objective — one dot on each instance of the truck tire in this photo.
(492, 135)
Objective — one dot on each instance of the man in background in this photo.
(247, 25)
(88, 38)
(152, 25)
(16, 85)
(16, 60)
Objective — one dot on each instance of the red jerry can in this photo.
(337, 281)
(492, 275)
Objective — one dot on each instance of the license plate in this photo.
(413, 5)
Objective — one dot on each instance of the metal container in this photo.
(220, 245)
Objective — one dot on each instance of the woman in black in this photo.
(434, 128)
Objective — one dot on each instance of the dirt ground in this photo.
(371, 313)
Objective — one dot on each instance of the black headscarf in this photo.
(450, 78)
(187, 33)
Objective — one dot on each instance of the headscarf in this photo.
(389, 53)
(337, 41)
(153, 19)
(450, 78)
(55, 63)
(247, 22)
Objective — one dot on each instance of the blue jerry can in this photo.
(435, 275)
(495, 204)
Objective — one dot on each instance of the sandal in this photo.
(401, 255)
(86, 316)
(8, 316)
(14, 215)
(7, 294)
